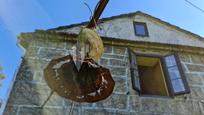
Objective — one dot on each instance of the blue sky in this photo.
(18, 16)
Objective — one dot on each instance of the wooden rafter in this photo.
(97, 13)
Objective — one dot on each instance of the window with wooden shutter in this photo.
(134, 71)
(157, 75)
(176, 75)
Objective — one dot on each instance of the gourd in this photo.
(90, 37)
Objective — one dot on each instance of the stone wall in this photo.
(30, 89)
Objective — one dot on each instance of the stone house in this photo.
(137, 46)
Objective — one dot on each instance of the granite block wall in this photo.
(30, 89)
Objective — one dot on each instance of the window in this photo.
(157, 75)
(140, 29)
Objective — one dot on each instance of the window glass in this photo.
(174, 74)
(134, 71)
(170, 61)
(178, 85)
(149, 78)
(136, 79)
(140, 29)
(133, 62)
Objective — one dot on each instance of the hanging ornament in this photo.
(88, 37)
(90, 84)
(82, 80)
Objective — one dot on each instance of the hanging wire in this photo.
(92, 13)
(89, 10)
(71, 109)
(48, 98)
(195, 6)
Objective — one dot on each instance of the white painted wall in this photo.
(158, 32)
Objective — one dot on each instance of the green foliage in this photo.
(1, 68)
(2, 76)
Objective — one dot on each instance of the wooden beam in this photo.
(97, 13)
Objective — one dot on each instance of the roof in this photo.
(129, 15)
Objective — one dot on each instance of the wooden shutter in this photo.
(176, 75)
(134, 71)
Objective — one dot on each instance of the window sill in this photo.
(155, 96)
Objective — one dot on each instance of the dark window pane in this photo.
(140, 29)
(134, 71)
(136, 80)
(133, 62)
(178, 85)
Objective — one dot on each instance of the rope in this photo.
(48, 98)
(71, 109)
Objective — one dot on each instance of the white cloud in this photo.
(23, 15)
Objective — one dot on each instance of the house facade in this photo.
(158, 69)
